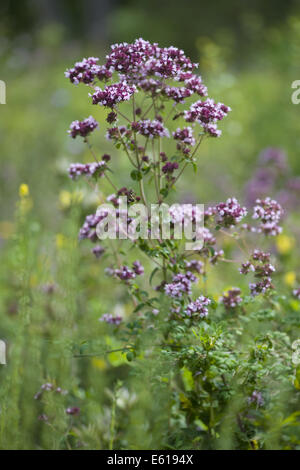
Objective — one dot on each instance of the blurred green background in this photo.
(248, 53)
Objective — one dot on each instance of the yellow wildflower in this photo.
(290, 278)
(285, 244)
(24, 190)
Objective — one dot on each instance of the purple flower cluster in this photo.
(246, 268)
(296, 293)
(195, 84)
(230, 213)
(126, 274)
(195, 265)
(113, 94)
(112, 320)
(88, 230)
(262, 269)
(138, 268)
(73, 411)
(49, 387)
(98, 251)
(232, 298)
(86, 71)
(216, 256)
(86, 169)
(198, 307)
(178, 94)
(150, 129)
(261, 287)
(207, 113)
(256, 399)
(142, 59)
(185, 135)
(269, 212)
(83, 128)
(181, 284)
(259, 255)
(169, 167)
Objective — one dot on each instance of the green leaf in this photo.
(152, 275)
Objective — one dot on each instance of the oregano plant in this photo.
(158, 115)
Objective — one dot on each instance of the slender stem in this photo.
(123, 115)
(186, 163)
(126, 150)
(155, 172)
(97, 161)
(110, 181)
(147, 111)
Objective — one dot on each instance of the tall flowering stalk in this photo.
(158, 81)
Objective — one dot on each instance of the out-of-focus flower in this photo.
(285, 244)
(111, 319)
(232, 298)
(43, 417)
(98, 251)
(256, 398)
(24, 190)
(269, 212)
(73, 411)
(290, 278)
(296, 293)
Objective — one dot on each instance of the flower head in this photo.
(83, 128)
(198, 307)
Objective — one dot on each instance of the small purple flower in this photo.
(246, 268)
(87, 169)
(198, 307)
(256, 398)
(206, 112)
(111, 319)
(73, 411)
(151, 129)
(98, 251)
(230, 213)
(216, 256)
(265, 270)
(296, 293)
(261, 287)
(269, 212)
(185, 135)
(177, 94)
(125, 273)
(258, 255)
(232, 298)
(47, 387)
(181, 284)
(138, 268)
(83, 128)
(113, 94)
(169, 167)
(195, 265)
(84, 71)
